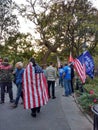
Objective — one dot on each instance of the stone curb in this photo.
(81, 109)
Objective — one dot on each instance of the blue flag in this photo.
(89, 63)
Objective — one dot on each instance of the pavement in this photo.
(61, 113)
(76, 119)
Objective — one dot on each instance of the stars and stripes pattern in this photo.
(35, 90)
(79, 66)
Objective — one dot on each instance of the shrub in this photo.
(87, 100)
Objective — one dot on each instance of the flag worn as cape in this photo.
(35, 90)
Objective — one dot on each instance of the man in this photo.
(51, 77)
(18, 81)
(6, 77)
(67, 80)
(35, 89)
(72, 76)
(61, 79)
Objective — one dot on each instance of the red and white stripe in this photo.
(34, 88)
(80, 69)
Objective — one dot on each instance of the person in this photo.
(61, 79)
(6, 78)
(44, 69)
(0, 60)
(51, 78)
(0, 64)
(72, 76)
(67, 80)
(18, 81)
(35, 88)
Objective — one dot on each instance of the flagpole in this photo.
(84, 46)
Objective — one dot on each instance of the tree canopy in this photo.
(63, 26)
(19, 47)
(8, 21)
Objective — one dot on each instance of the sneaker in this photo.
(33, 115)
(64, 95)
(21, 103)
(12, 101)
(1, 102)
(38, 111)
(14, 106)
(53, 97)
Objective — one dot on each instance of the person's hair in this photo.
(61, 66)
(19, 64)
(66, 63)
(51, 63)
(33, 61)
(6, 59)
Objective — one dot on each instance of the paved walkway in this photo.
(61, 113)
(75, 118)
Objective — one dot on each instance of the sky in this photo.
(26, 26)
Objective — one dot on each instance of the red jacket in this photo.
(6, 72)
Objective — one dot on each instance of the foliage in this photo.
(92, 84)
(8, 21)
(18, 48)
(90, 96)
(63, 26)
(87, 100)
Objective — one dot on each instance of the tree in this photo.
(63, 26)
(19, 47)
(81, 27)
(48, 25)
(8, 21)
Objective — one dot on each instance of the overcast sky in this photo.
(26, 26)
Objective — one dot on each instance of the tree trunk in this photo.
(44, 59)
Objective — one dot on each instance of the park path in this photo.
(61, 113)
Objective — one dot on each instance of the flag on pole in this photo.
(70, 58)
(89, 63)
(79, 66)
(58, 62)
(35, 92)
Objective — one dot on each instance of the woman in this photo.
(34, 87)
(18, 81)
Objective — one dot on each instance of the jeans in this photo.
(67, 86)
(51, 84)
(9, 87)
(19, 93)
(61, 81)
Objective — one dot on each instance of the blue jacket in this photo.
(61, 71)
(18, 76)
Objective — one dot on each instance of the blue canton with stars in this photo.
(38, 69)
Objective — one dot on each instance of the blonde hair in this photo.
(20, 64)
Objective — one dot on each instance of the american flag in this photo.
(35, 90)
(70, 58)
(79, 66)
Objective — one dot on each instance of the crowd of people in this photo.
(35, 84)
